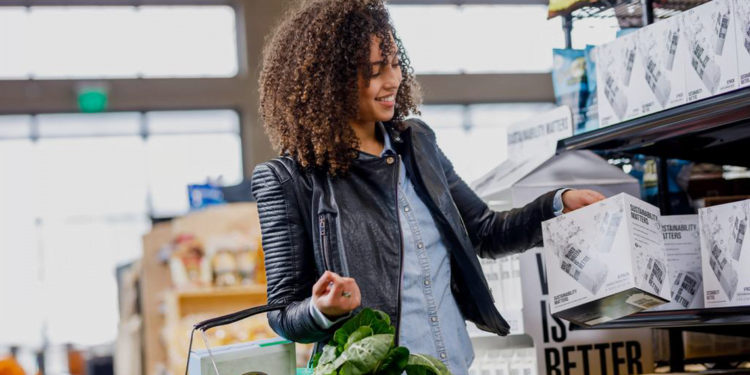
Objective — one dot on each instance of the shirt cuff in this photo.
(557, 203)
(321, 320)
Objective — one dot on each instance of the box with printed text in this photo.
(710, 37)
(682, 243)
(617, 95)
(662, 55)
(742, 33)
(724, 254)
(606, 261)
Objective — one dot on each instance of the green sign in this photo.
(92, 100)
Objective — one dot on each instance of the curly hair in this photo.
(309, 79)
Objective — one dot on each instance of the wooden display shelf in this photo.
(215, 300)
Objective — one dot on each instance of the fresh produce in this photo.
(364, 346)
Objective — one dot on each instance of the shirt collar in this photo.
(387, 146)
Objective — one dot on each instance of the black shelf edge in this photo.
(711, 130)
(713, 317)
(631, 8)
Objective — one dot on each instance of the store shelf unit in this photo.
(715, 130)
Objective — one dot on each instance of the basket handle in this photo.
(224, 320)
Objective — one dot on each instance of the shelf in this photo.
(250, 290)
(715, 130)
(214, 301)
(694, 319)
(631, 11)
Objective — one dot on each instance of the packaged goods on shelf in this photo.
(742, 33)
(662, 54)
(709, 33)
(491, 269)
(724, 253)
(615, 67)
(510, 280)
(592, 103)
(571, 84)
(519, 361)
(682, 243)
(188, 263)
(606, 261)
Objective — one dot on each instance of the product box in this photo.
(662, 54)
(709, 32)
(682, 243)
(606, 261)
(616, 66)
(724, 253)
(742, 33)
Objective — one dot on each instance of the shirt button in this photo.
(390, 160)
(434, 318)
(427, 282)
(419, 245)
(407, 209)
(443, 355)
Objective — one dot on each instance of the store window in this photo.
(452, 39)
(474, 137)
(77, 198)
(117, 42)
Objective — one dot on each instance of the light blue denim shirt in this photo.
(431, 322)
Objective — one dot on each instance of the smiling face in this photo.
(377, 101)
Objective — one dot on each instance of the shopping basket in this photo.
(269, 357)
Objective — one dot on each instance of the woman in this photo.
(363, 208)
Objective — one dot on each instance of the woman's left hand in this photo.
(575, 199)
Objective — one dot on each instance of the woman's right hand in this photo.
(336, 296)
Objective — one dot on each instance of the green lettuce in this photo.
(364, 345)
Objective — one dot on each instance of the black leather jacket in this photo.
(312, 222)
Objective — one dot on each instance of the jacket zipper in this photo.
(323, 224)
(400, 254)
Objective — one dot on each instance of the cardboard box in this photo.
(709, 32)
(662, 54)
(724, 253)
(617, 95)
(742, 33)
(683, 246)
(606, 261)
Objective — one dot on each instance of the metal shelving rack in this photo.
(630, 13)
(715, 130)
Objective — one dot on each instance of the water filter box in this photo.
(682, 243)
(617, 95)
(724, 254)
(742, 33)
(517, 293)
(506, 282)
(662, 53)
(491, 269)
(710, 37)
(606, 261)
